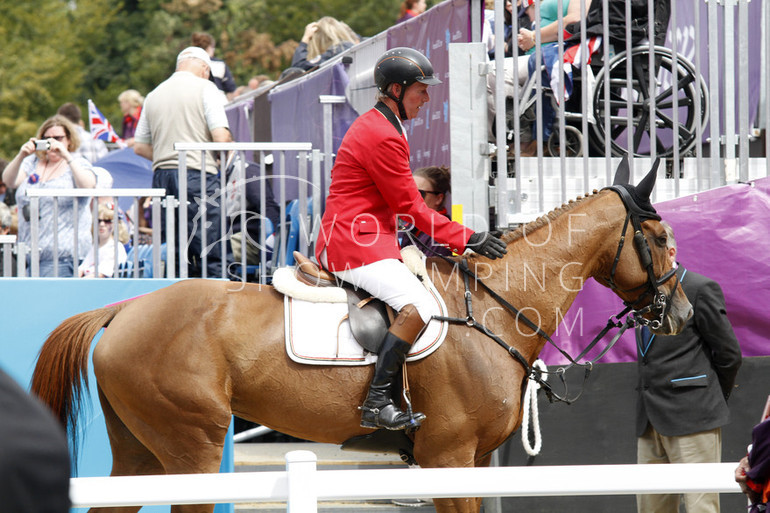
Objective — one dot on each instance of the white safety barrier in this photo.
(301, 486)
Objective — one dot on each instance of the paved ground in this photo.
(272, 456)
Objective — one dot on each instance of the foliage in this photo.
(72, 50)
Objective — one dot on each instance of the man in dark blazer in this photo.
(684, 383)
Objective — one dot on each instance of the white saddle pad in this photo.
(319, 333)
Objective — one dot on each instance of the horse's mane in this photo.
(543, 220)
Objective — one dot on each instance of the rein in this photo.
(534, 374)
(660, 304)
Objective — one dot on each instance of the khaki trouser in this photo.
(703, 447)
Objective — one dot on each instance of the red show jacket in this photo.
(371, 184)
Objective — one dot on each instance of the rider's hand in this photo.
(484, 243)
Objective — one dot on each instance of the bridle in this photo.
(660, 303)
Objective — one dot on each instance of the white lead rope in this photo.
(530, 403)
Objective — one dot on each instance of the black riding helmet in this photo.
(403, 66)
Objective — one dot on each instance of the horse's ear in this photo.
(623, 173)
(644, 189)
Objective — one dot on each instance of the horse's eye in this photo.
(661, 241)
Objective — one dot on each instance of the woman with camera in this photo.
(46, 162)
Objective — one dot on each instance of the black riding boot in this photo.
(379, 410)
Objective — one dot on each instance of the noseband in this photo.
(660, 303)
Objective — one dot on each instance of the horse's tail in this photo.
(61, 371)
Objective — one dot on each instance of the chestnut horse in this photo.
(173, 366)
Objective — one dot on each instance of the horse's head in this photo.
(642, 273)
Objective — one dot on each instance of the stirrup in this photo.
(371, 418)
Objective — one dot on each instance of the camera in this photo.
(42, 145)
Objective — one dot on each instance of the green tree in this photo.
(72, 50)
(45, 52)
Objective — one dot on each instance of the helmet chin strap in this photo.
(399, 102)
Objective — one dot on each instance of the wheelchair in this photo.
(676, 105)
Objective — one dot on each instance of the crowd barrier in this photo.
(231, 199)
(301, 486)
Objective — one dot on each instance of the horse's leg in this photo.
(461, 504)
(184, 444)
(467, 442)
(129, 456)
(180, 432)
(434, 452)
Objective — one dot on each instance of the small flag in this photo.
(100, 127)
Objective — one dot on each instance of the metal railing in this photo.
(35, 195)
(281, 182)
(271, 159)
(687, 100)
(8, 248)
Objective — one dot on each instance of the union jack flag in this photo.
(572, 58)
(100, 127)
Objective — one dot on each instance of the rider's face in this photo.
(416, 96)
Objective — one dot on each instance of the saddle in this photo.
(368, 316)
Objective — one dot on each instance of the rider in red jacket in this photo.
(372, 184)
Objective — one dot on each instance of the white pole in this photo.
(301, 472)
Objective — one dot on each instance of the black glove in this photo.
(484, 243)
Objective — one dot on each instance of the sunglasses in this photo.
(425, 193)
(57, 137)
(105, 221)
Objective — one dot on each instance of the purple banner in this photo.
(297, 115)
(720, 234)
(431, 33)
(686, 46)
(240, 123)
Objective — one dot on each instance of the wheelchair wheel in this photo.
(673, 81)
(573, 145)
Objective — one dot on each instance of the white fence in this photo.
(301, 486)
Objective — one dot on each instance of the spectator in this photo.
(54, 168)
(253, 187)
(6, 220)
(526, 18)
(186, 107)
(91, 149)
(34, 459)
(8, 193)
(434, 183)
(256, 81)
(322, 40)
(106, 241)
(240, 91)
(411, 9)
(220, 72)
(6, 223)
(525, 66)
(685, 381)
(549, 35)
(131, 106)
(507, 31)
(488, 30)
(753, 471)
